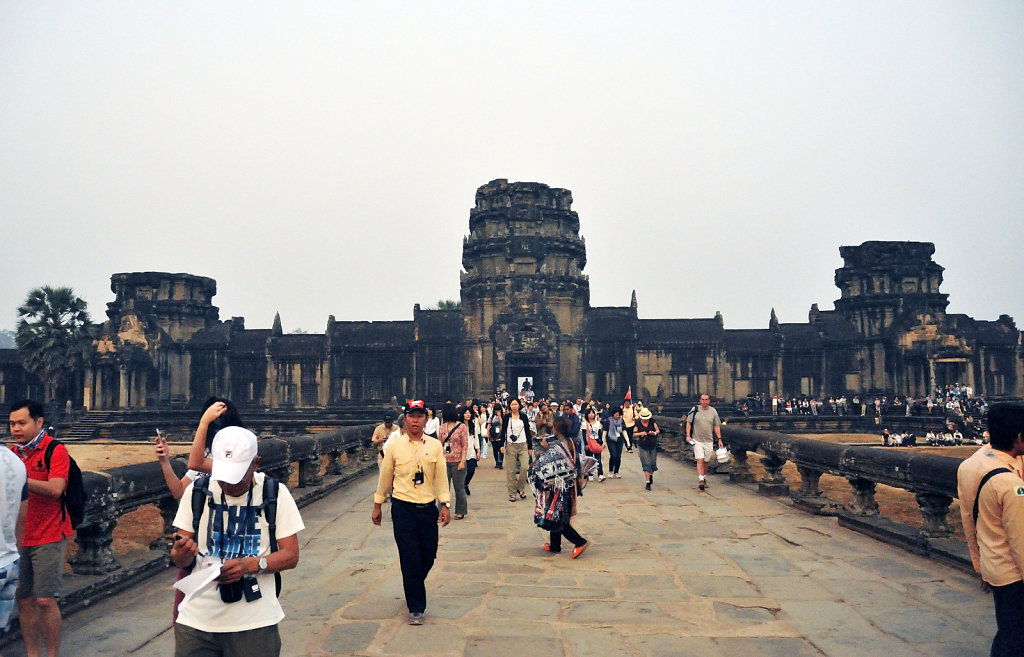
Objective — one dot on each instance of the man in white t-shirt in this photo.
(238, 616)
(13, 505)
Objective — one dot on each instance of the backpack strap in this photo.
(200, 494)
(984, 480)
(270, 486)
(47, 456)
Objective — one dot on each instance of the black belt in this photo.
(425, 505)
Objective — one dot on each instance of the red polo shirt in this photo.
(43, 522)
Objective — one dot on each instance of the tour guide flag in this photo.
(629, 393)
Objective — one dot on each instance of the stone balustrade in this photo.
(118, 491)
(930, 477)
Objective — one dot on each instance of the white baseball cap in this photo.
(233, 450)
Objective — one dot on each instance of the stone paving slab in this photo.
(670, 573)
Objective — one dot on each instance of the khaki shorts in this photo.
(42, 570)
(263, 641)
(703, 450)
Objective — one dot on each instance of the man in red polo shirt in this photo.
(47, 528)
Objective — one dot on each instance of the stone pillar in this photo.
(934, 509)
(123, 397)
(773, 482)
(864, 503)
(740, 472)
(809, 497)
(96, 533)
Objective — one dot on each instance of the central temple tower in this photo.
(524, 294)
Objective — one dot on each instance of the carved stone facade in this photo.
(526, 315)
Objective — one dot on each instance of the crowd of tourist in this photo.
(953, 400)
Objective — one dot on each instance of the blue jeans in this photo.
(8, 583)
(614, 455)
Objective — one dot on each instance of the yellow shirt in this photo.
(380, 434)
(997, 542)
(402, 460)
(628, 418)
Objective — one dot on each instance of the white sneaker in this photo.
(600, 478)
(590, 478)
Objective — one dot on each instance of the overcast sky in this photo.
(321, 158)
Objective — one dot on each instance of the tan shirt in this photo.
(997, 542)
(380, 434)
(402, 460)
(628, 418)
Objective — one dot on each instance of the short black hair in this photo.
(35, 409)
(1005, 422)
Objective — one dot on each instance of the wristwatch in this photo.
(263, 565)
(447, 505)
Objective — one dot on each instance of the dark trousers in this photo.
(415, 527)
(1009, 639)
(614, 455)
(470, 471)
(499, 458)
(555, 538)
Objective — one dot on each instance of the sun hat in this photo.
(645, 414)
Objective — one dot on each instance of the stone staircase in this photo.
(85, 428)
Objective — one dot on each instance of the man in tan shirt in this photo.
(381, 433)
(991, 494)
(414, 465)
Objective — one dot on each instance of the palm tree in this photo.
(52, 332)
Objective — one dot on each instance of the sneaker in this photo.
(702, 485)
(578, 550)
(600, 477)
(467, 491)
(617, 475)
(648, 486)
(590, 478)
(415, 619)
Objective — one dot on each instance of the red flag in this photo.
(629, 393)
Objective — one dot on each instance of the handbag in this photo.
(593, 446)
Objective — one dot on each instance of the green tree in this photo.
(52, 333)
(449, 304)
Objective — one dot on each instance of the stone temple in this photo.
(526, 315)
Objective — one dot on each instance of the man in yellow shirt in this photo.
(414, 465)
(991, 494)
(381, 433)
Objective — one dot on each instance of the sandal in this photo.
(522, 495)
(511, 498)
(460, 516)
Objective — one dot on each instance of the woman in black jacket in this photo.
(518, 449)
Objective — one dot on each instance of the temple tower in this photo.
(524, 294)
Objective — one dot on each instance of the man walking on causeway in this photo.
(415, 467)
(701, 425)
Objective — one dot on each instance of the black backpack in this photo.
(72, 500)
(201, 494)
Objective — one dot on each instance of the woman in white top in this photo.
(518, 450)
(480, 423)
(472, 445)
(433, 423)
(592, 429)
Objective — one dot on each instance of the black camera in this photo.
(417, 478)
(246, 587)
(230, 592)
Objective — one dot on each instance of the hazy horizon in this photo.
(320, 158)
